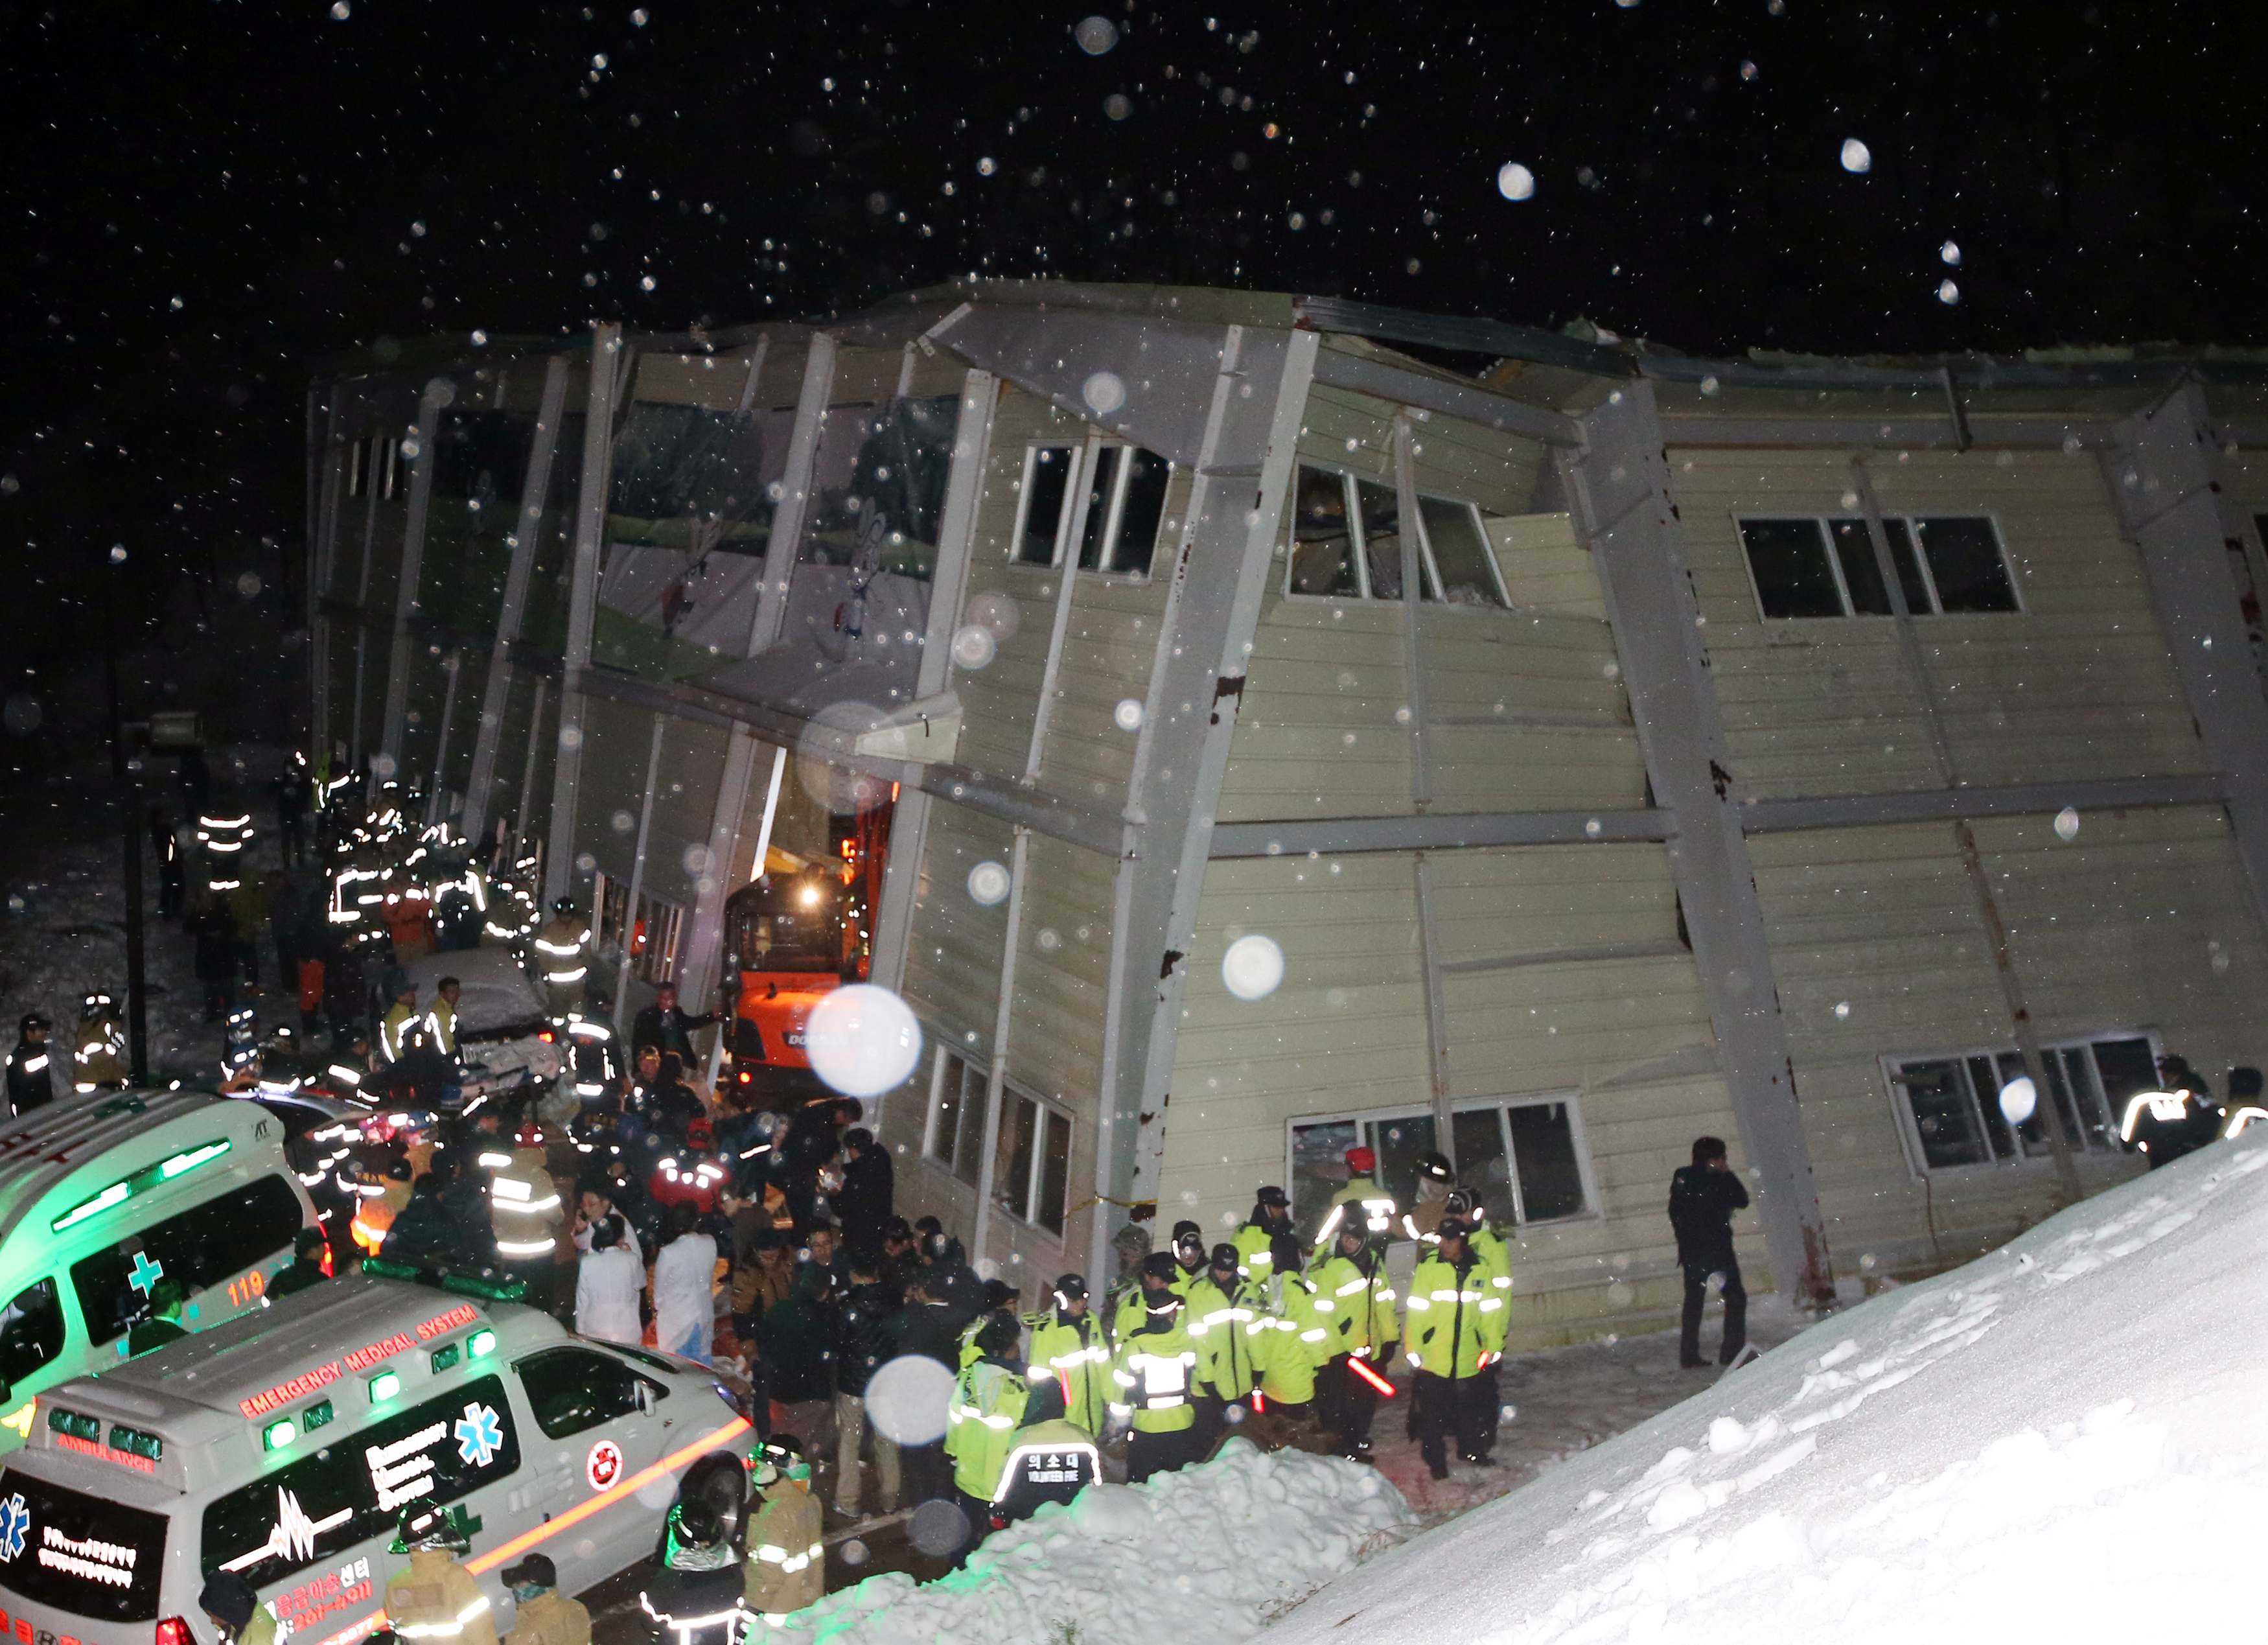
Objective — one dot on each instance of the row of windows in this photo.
(1815, 567)
(1031, 1154)
(1953, 1101)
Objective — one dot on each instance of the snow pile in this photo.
(2063, 1440)
(1205, 1554)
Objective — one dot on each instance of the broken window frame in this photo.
(1084, 456)
(1430, 590)
(1507, 1207)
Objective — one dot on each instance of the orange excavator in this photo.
(801, 931)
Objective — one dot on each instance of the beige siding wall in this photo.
(2140, 923)
(2077, 684)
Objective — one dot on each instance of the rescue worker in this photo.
(1361, 1201)
(697, 1597)
(233, 1608)
(1069, 1344)
(1224, 1315)
(2180, 1119)
(525, 1209)
(1437, 1178)
(401, 1020)
(991, 1401)
(541, 1615)
(1454, 1332)
(787, 1560)
(1357, 1300)
(1255, 1242)
(433, 1598)
(1295, 1342)
(441, 1021)
(30, 1075)
(563, 952)
(306, 1266)
(1153, 1368)
(98, 1058)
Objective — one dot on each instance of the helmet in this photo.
(781, 1458)
(1453, 1230)
(423, 1525)
(1188, 1245)
(1459, 1204)
(563, 904)
(1361, 1161)
(1435, 1166)
(696, 1524)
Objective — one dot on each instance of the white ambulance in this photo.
(105, 1197)
(283, 1445)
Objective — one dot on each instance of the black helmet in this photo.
(1225, 1256)
(1435, 1166)
(563, 904)
(1180, 1229)
(423, 1525)
(1459, 1204)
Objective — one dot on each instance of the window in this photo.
(1951, 1108)
(956, 1116)
(653, 939)
(1526, 1159)
(31, 1330)
(1827, 568)
(353, 1488)
(195, 1248)
(1031, 1164)
(1345, 543)
(572, 1389)
(1113, 497)
(85, 1555)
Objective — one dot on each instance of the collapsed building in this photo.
(1241, 735)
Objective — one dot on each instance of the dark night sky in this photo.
(200, 195)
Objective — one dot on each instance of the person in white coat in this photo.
(607, 1285)
(684, 1291)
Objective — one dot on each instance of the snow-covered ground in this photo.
(1201, 1557)
(2063, 1440)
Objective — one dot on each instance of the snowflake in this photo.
(15, 1520)
(479, 1435)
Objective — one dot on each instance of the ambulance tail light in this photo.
(175, 1631)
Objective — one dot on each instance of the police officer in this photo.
(563, 952)
(1437, 1179)
(786, 1568)
(2177, 1119)
(433, 1598)
(1224, 1310)
(235, 1612)
(1255, 1242)
(1187, 1258)
(1294, 1341)
(31, 1076)
(541, 1614)
(1455, 1329)
(1357, 1298)
(1069, 1345)
(1154, 1368)
(991, 1401)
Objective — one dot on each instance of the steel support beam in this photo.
(948, 589)
(794, 506)
(440, 393)
(1620, 482)
(608, 365)
(496, 694)
(1440, 830)
(626, 934)
(1389, 381)
(2164, 473)
(1849, 431)
(1217, 579)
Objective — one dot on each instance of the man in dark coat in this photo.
(669, 1029)
(1702, 1197)
(863, 1204)
(30, 1069)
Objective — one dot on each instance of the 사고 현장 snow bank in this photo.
(1200, 1557)
(2065, 1439)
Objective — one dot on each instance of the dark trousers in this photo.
(1212, 1420)
(978, 1513)
(1736, 1311)
(1159, 1453)
(925, 1472)
(1448, 1405)
(1346, 1402)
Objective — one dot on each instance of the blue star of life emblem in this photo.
(15, 1520)
(479, 1435)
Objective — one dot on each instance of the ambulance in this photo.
(283, 1445)
(105, 1198)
